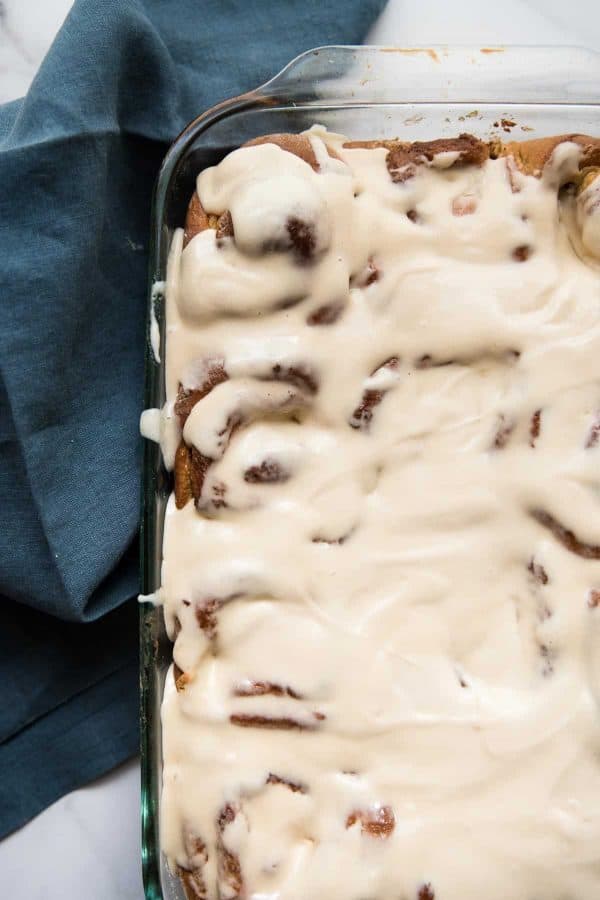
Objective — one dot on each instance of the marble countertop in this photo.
(27, 28)
(88, 843)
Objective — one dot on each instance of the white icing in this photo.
(459, 690)
(237, 399)
(445, 159)
(262, 209)
(154, 599)
(170, 434)
(162, 427)
(150, 424)
(563, 163)
(233, 283)
(158, 291)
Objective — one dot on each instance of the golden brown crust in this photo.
(589, 176)
(199, 467)
(275, 723)
(269, 471)
(189, 471)
(378, 822)
(298, 144)
(193, 884)
(224, 225)
(198, 220)
(187, 399)
(183, 486)
(294, 786)
(206, 616)
(327, 314)
(537, 571)
(362, 415)
(369, 274)
(470, 150)
(192, 876)
(181, 678)
(426, 891)
(565, 536)
(532, 156)
(535, 426)
(228, 863)
(504, 429)
(262, 688)
(403, 157)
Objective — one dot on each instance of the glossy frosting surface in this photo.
(386, 599)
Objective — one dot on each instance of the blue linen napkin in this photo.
(78, 158)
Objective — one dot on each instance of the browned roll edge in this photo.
(197, 219)
(530, 157)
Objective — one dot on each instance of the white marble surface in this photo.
(87, 844)
(27, 28)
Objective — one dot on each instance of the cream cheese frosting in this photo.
(386, 601)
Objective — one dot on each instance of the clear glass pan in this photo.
(363, 92)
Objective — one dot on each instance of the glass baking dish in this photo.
(363, 92)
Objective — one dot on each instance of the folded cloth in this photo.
(78, 159)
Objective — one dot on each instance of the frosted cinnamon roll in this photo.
(381, 560)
